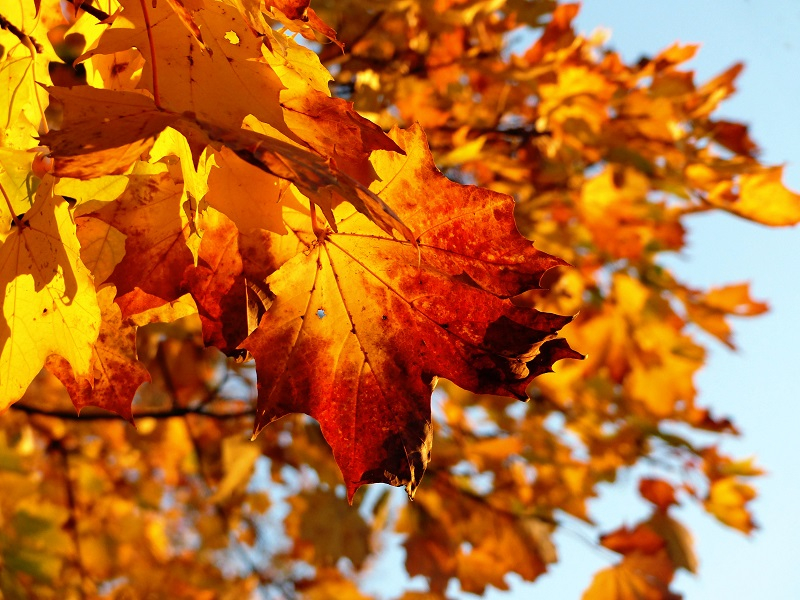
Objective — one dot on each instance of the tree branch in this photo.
(72, 522)
(23, 37)
(93, 10)
(172, 413)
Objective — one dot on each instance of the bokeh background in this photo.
(757, 385)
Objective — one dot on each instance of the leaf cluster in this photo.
(183, 193)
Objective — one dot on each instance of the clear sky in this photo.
(758, 385)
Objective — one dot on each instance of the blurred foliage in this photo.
(606, 161)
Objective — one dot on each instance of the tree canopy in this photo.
(363, 233)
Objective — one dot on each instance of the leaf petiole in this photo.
(14, 217)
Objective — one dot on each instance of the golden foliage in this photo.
(217, 191)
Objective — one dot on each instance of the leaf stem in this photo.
(29, 44)
(148, 26)
(318, 230)
(14, 217)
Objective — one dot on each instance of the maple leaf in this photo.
(15, 180)
(362, 325)
(102, 247)
(727, 501)
(106, 131)
(638, 577)
(765, 199)
(677, 538)
(659, 492)
(150, 214)
(300, 17)
(220, 80)
(117, 374)
(50, 305)
(23, 65)
(469, 537)
(710, 310)
(123, 125)
(227, 260)
(246, 194)
(316, 525)
(626, 541)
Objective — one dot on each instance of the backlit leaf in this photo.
(50, 305)
(367, 319)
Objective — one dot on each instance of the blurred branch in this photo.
(94, 11)
(23, 37)
(72, 522)
(174, 412)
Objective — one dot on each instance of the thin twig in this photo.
(14, 217)
(93, 10)
(72, 524)
(153, 414)
(23, 37)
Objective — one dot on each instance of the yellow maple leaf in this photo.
(49, 300)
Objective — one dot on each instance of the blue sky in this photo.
(757, 385)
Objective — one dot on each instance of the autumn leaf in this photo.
(626, 541)
(314, 523)
(300, 17)
(221, 80)
(15, 179)
(116, 372)
(150, 214)
(229, 263)
(89, 146)
(765, 199)
(102, 247)
(293, 9)
(250, 197)
(136, 121)
(313, 176)
(192, 167)
(679, 544)
(637, 577)
(362, 324)
(23, 67)
(470, 537)
(727, 501)
(330, 583)
(659, 492)
(50, 305)
(710, 310)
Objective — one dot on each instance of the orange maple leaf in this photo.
(362, 324)
(117, 373)
(149, 212)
